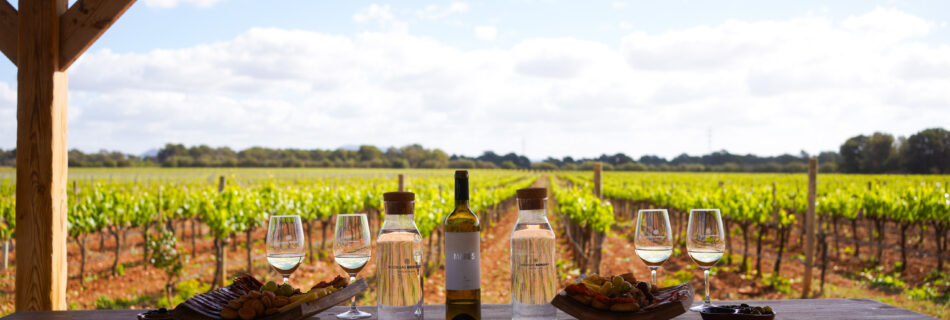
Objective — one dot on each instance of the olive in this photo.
(270, 286)
(616, 281)
(285, 290)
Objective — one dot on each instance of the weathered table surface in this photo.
(815, 309)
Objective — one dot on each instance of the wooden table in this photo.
(815, 309)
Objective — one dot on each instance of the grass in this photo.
(676, 278)
(184, 290)
(939, 310)
(103, 302)
(777, 282)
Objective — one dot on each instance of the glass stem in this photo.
(286, 278)
(653, 275)
(706, 285)
(353, 303)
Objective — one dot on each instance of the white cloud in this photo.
(763, 87)
(7, 116)
(560, 58)
(167, 4)
(486, 33)
(436, 12)
(7, 94)
(625, 25)
(618, 4)
(382, 16)
(888, 23)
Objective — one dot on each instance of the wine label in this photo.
(462, 251)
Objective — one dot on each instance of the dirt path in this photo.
(495, 268)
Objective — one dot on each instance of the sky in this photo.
(535, 77)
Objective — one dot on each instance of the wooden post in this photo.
(810, 225)
(6, 254)
(402, 182)
(42, 39)
(41, 159)
(774, 206)
(221, 250)
(597, 237)
(598, 180)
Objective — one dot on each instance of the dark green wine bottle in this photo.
(462, 255)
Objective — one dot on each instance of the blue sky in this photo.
(566, 77)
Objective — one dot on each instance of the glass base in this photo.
(700, 308)
(353, 314)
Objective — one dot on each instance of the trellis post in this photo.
(810, 225)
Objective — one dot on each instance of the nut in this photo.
(257, 305)
(243, 298)
(271, 311)
(254, 294)
(268, 294)
(235, 304)
(228, 313)
(280, 301)
(247, 313)
(268, 301)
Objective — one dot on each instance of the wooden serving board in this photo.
(664, 310)
(302, 311)
(307, 309)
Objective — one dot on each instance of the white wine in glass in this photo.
(352, 263)
(705, 244)
(653, 239)
(352, 251)
(285, 263)
(285, 244)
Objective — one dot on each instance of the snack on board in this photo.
(614, 293)
(272, 299)
(740, 309)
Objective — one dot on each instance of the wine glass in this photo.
(351, 250)
(654, 239)
(285, 244)
(705, 244)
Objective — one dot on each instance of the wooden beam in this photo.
(83, 23)
(41, 159)
(8, 33)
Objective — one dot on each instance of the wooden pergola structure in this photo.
(43, 38)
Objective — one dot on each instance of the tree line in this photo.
(927, 151)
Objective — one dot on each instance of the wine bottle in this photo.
(462, 251)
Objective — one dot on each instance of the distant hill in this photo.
(151, 153)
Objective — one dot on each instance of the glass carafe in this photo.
(399, 260)
(533, 272)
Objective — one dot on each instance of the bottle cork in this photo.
(399, 203)
(532, 198)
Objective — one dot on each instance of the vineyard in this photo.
(888, 231)
(163, 234)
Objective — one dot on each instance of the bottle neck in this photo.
(461, 191)
(533, 216)
(460, 204)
